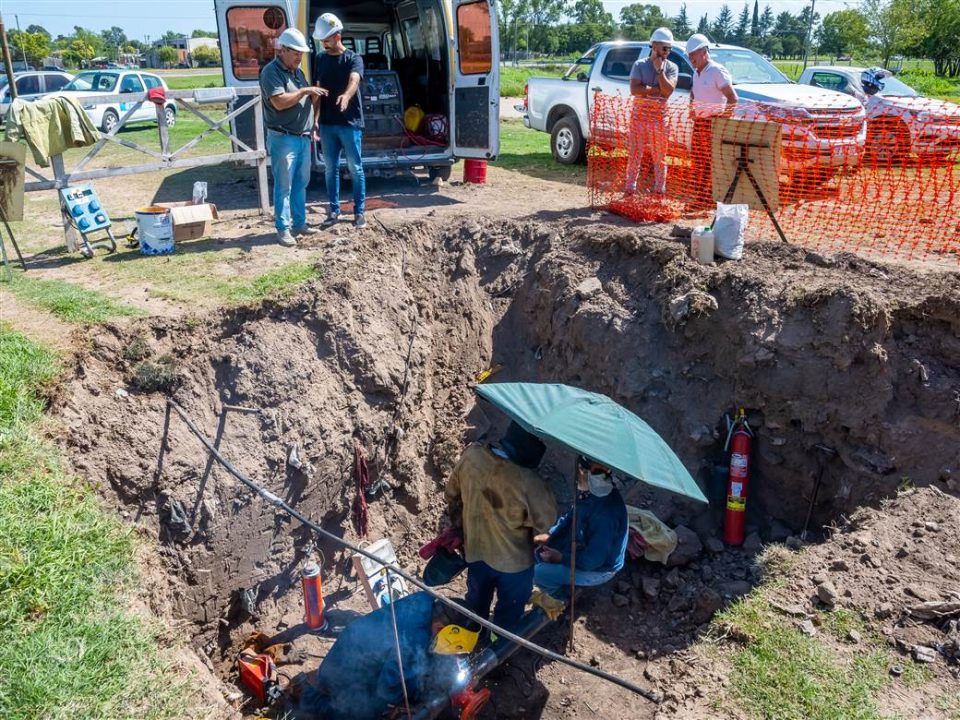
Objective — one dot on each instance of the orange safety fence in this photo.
(876, 178)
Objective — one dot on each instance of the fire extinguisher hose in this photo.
(279, 503)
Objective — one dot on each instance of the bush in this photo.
(154, 376)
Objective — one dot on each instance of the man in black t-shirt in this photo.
(340, 70)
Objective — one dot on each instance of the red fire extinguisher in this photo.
(738, 441)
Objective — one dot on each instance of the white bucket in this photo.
(701, 245)
(155, 231)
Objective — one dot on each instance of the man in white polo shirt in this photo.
(712, 94)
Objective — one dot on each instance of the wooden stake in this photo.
(7, 63)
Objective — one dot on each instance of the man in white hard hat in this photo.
(712, 94)
(652, 80)
(341, 115)
(289, 105)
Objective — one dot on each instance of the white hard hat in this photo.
(696, 42)
(327, 24)
(662, 35)
(293, 39)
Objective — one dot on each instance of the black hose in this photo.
(523, 642)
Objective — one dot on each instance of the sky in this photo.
(140, 18)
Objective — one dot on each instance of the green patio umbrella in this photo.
(595, 426)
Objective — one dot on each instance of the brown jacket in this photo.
(502, 505)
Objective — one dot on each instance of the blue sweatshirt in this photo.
(602, 533)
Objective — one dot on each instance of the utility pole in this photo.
(22, 48)
(7, 64)
(806, 44)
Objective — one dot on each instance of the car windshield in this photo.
(745, 66)
(101, 82)
(582, 65)
(891, 87)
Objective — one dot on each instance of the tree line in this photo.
(36, 44)
(883, 28)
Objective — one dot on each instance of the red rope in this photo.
(363, 480)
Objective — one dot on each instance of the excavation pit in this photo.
(382, 352)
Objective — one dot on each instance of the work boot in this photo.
(285, 238)
(550, 605)
(305, 230)
(331, 220)
(360, 222)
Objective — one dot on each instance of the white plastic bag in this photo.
(199, 192)
(728, 229)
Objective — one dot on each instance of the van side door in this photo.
(475, 117)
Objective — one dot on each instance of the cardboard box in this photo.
(191, 221)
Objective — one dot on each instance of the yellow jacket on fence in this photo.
(503, 506)
(50, 127)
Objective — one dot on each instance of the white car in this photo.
(30, 84)
(90, 83)
(900, 122)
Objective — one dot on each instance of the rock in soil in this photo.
(752, 544)
(828, 594)
(688, 547)
(923, 654)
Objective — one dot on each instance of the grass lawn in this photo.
(528, 151)
(512, 79)
(71, 303)
(211, 78)
(71, 649)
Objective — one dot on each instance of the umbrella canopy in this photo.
(595, 426)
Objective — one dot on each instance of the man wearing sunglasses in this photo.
(601, 535)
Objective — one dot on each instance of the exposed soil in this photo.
(858, 356)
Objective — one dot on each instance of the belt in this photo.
(287, 132)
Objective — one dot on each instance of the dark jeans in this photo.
(334, 140)
(513, 590)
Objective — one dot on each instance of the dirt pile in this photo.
(381, 353)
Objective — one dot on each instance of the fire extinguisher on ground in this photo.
(738, 442)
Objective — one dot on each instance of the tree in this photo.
(637, 21)
(39, 29)
(723, 25)
(206, 56)
(941, 18)
(766, 21)
(204, 34)
(593, 24)
(86, 37)
(843, 32)
(541, 15)
(703, 27)
(894, 25)
(167, 55)
(755, 21)
(170, 36)
(35, 46)
(681, 25)
(741, 35)
(77, 53)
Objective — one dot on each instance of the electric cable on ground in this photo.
(279, 503)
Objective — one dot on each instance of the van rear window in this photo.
(474, 38)
(253, 32)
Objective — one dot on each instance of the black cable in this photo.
(523, 642)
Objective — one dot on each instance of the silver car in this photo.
(31, 83)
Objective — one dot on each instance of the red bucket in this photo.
(475, 171)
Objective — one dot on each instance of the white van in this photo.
(440, 55)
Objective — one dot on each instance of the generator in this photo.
(383, 108)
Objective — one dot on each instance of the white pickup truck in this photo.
(824, 131)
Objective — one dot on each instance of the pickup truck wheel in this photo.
(566, 141)
(888, 140)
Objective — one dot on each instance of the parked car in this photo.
(900, 121)
(91, 83)
(30, 85)
(824, 131)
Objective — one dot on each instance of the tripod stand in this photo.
(743, 168)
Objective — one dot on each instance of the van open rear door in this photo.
(475, 120)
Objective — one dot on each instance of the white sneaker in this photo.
(305, 230)
(286, 239)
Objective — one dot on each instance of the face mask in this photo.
(600, 484)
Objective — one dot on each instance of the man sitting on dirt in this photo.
(501, 503)
(601, 531)
(360, 678)
(289, 105)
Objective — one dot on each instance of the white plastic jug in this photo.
(701, 245)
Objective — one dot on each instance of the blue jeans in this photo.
(513, 590)
(290, 158)
(333, 139)
(554, 578)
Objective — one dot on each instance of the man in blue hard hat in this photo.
(289, 105)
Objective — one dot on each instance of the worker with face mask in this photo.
(601, 535)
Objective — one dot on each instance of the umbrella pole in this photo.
(573, 557)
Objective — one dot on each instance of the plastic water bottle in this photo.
(701, 245)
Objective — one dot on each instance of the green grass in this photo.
(190, 82)
(71, 303)
(69, 649)
(512, 79)
(528, 151)
(279, 282)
